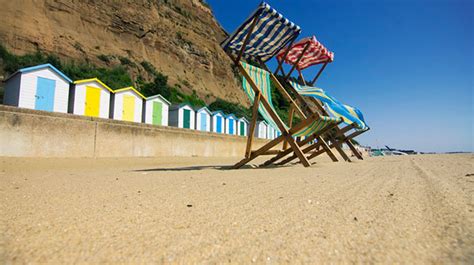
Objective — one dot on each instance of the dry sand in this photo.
(410, 209)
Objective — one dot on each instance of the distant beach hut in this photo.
(157, 110)
(90, 97)
(182, 116)
(218, 122)
(127, 104)
(243, 125)
(203, 119)
(261, 130)
(41, 87)
(270, 132)
(231, 124)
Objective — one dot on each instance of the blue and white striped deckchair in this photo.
(348, 114)
(270, 34)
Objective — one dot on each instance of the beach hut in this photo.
(156, 110)
(270, 132)
(242, 126)
(90, 97)
(127, 104)
(218, 122)
(41, 87)
(182, 116)
(231, 124)
(203, 119)
(261, 130)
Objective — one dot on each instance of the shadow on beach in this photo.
(215, 167)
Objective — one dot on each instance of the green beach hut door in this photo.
(186, 119)
(157, 113)
(242, 128)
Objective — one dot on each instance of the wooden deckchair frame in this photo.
(286, 134)
(336, 144)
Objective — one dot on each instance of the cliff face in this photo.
(180, 38)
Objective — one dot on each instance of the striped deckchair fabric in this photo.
(270, 34)
(316, 53)
(333, 106)
(262, 80)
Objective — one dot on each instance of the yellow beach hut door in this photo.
(92, 101)
(128, 108)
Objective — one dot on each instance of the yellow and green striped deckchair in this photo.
(257, 80)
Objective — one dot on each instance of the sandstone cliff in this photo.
(180, 38)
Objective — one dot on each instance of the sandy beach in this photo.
(401, 209)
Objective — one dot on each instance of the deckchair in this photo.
(258, 39)
(301, 55)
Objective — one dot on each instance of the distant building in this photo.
(231, 124)
(90, 97)
(218, 122)
(156, 110)
(127, 104)
(41, 87)
(203, 119)
(182, 116)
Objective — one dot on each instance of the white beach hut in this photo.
(242, 126)
(203, 119)
(41, 87)
(182, 116)
(218, 122)
(261, 130)
(156, 110)
(231, 124)
(90, 97)
(127, 104)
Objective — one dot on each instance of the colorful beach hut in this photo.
(41, 87)
(261, 130)
(156, 110)
(231, 124)
(127, 104)
(242, 126)
(218, 122)
(203, 119)
(90, 97)
(182, 116)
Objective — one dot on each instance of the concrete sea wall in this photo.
(32, 133)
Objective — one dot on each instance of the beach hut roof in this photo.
(204, 109)
(93, 80)
(231, 116)
(218, 112)
(160, 97)
(263, 122)
(130, 88)
(38, 67)
(178, 106)
(243, 119)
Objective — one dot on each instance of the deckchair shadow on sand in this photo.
(258, 39)
(306, 53)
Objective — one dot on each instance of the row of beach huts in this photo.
(45, 88)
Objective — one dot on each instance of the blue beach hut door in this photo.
(203, 121)
(219, 124)
(44, 98)
(231, 126)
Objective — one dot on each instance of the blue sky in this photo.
(408, 65)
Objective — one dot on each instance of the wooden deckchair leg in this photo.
(260, 151)
(290, 118)
(248, 149)
(297, 151)
(327, 149)
(354, 150)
